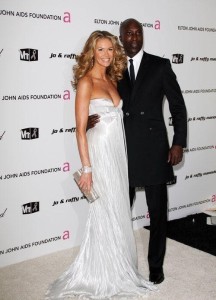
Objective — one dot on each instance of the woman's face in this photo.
(104, 52)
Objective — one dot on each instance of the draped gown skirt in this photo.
(106, 265)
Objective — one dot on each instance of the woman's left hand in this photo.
(85, 182)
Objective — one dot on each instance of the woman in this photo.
(106, 263)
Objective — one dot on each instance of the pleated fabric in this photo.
(106, 265)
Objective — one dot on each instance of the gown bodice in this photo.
(103, 106)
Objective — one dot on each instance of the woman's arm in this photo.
(83, 95)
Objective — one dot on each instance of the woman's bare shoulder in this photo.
(84, 87)
(85, 81)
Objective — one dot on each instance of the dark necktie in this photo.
(132, 73)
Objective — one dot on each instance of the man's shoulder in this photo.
(155, 58)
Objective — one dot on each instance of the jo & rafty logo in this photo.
(29, 133)
(71, 130)
(29, 54)
(63, 55)
(30, 208)
(177, 58)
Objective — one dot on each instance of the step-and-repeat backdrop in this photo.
(41, 208)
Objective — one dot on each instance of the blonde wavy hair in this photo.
(86, 59)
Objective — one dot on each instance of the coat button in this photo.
(127, 114)
(142, 112)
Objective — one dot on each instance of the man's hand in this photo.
(175, 155)
(92, 121)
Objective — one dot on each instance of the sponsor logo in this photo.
(65, 236)
(191, 176)
(201, 118)
(1, 51)
(205, 59)
(65, 168)
(2, 215)
(66, 18)
(153, 25)
(197, 28)
(30, 133)
(107, 22)
(1, 136)
(65, 96)
(29, 54)
(209, 147)
(63, 55)
(138, 218)
(30, 208)
(177, 58)
(173, 181)
(69, 200)
(189, 205)
(198, 91)
(71, 130)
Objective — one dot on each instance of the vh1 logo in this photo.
(177, 58)
(29, 133)
(30, 208)
(28, 54)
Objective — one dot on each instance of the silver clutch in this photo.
(90, 196)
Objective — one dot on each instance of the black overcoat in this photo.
(146, 134)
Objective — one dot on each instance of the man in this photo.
(150, 160)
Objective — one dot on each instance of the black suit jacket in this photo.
(146, 135)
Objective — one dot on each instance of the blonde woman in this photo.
(106, 265)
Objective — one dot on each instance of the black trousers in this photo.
(156, 197)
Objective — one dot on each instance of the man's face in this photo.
(131, 36)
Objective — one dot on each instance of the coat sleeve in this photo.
(176, 105)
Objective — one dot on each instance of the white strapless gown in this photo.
(106, 265)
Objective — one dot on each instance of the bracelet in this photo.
(86, 169)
